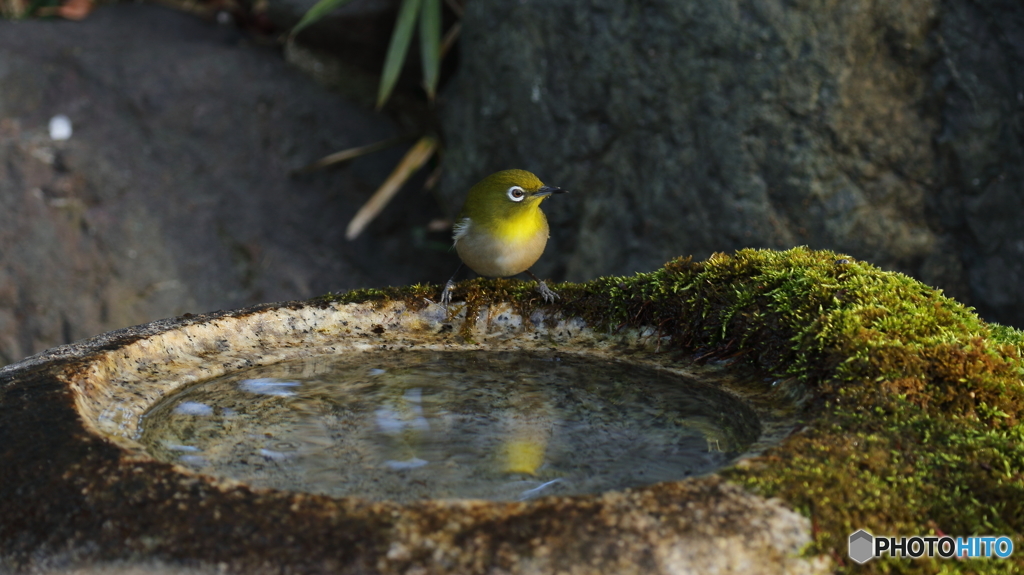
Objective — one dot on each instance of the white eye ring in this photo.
(516, 194)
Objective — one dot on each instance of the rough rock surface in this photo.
(82, 496)
(893, 131)
(173, 194)
(357, 32)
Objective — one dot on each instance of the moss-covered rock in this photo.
(911, 408)
(914, 426)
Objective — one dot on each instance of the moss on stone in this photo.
(915, 423)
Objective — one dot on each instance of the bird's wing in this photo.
(460, 229)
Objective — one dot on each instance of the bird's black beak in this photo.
(546, 191)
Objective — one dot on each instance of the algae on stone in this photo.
(915, 423)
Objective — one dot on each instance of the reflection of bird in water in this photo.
(708, 429)
(527, 429)
(403, 420)
(523, 454)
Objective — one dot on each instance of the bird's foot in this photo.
(446, 293)
(545, 292)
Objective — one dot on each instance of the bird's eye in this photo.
(516, 194)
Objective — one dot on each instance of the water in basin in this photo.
(412, 425)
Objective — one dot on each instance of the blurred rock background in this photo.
(174, 193)
(891, 131)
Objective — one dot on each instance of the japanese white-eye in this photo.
(501, 230)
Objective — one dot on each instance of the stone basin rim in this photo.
(116, 386)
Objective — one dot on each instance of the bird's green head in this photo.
(506, 195)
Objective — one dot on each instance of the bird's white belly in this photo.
(493, 258)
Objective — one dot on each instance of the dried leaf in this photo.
(349, 154)
(414, 159)
(439, 225)
(449, 38)
(433, 178)
(75, 9)
(456, 7)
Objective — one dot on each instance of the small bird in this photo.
(501, 230)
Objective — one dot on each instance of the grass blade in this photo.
(397, 49)
(430, 44)
(318, 11)
(414, 159)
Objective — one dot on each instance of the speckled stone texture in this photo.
(78, 495)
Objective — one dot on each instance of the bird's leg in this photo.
(446, 293)
(545, 292)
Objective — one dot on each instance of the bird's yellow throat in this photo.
(517, 225)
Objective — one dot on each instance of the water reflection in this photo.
(412, 425)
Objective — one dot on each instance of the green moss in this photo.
(415, 296)
(915, 426)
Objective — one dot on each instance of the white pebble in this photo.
(60, 127)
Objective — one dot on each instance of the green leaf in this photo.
(318, 11)
(398, 48)
(430, 44)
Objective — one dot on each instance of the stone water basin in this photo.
(389, 438)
